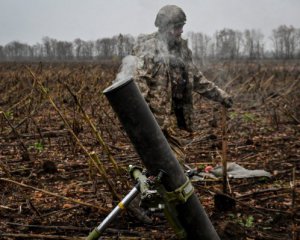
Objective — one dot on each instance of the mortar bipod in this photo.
(153, 197)
(97, 232)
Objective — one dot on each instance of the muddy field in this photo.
(64, 155)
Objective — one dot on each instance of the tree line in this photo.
(251, 44)
(53, 49)
(284, 43)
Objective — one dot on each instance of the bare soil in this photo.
(51, 189)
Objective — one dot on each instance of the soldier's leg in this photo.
(179, 113)
(188, 117)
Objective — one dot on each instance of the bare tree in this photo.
(64, 50)
(88, 49)
(78, 43)
(50, 51)
(120, 46)
(47, 46)
(124, 44)
(298, 43)
(37, 50)
(98, 48)
(228, 43)
(106, 47)
(253, 44)
(199, 44)
(16, 50)
(285, 41)
(84, 49)
(2, 55)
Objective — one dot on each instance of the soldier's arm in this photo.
(208, 89)
(141, 79)
(141, 74)
(145, 81)
(203, 86)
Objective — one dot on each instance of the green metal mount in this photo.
(94, 235)
(181, 194)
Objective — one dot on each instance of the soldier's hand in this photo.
(227, 102)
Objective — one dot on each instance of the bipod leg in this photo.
(96, 233)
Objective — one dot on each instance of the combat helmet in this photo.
(170, 15)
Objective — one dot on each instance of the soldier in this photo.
(166, 74)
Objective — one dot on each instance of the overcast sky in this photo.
(29, 21)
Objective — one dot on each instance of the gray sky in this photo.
(30, 20)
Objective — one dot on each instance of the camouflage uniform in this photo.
(167, 77)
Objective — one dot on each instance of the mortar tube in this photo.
(156, 154)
